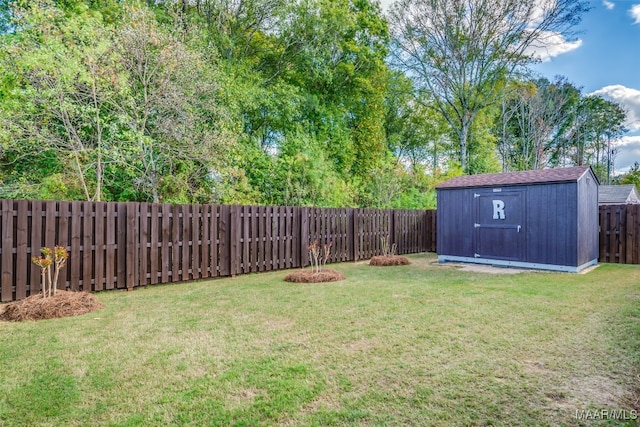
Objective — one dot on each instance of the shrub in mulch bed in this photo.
(387, 260)
(309, 276)
(62, 304)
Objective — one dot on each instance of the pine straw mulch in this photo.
(384, 261)
(308, 276)
(62, 304)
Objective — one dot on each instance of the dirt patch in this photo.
(598, 390)
(63, 304)
(308, 276)
(384, 261)
(485, 268)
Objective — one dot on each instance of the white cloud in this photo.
(550, 45)
(629, 141)
(539, 10)
(628, 145)
(635, 13)
(608, 4)
(629, 100)
(628, 153)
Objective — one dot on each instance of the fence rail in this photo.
(126, 245)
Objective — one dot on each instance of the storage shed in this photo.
(544, 219)
(618, 195)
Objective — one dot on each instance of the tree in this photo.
(416, 134)
(61, 67)
(532, 115)
(177, 130)
(311, 75)
(462, 51)
(632, 176)
(596, 124)
(128, 108)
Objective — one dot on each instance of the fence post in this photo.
(7, 251)
(304, 236)
(425, 225)
(392, 228)
(122, 247)
(234, 234)
(23, 261)
(132, 239)
(353, 232)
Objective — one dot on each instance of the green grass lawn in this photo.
(424, 344)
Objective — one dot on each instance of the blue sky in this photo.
(604, 60)
(607, 51)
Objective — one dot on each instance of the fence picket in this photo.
(23, 260)
(111, 221)
(74, 261)
(87, 243)
(99, 236)
(6, 281)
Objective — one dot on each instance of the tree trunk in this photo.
(463, 134)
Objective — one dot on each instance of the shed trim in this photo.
(542, 176)
(531, 265)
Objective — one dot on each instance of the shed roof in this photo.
(617, 194)
(517, 178)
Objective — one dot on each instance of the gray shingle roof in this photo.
(617, 194)
(517, 178)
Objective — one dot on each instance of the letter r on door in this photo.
(498, 209)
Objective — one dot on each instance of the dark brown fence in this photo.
(620, 234)
(126, 245)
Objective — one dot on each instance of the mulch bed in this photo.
(308, 276)
(384, 261)
(62, 304)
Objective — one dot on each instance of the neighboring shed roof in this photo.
(517, 178)
(617, 194)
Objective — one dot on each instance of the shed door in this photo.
(499, 224)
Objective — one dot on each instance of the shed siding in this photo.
(552, 224)
(587, 220)
(455, 222)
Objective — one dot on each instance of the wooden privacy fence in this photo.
(125, 245)
(620, 234)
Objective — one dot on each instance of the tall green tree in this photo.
(590, 137)
(130, 107)
(532, 117)
(174, 124)
(416, 134)
(463, 51)
(62, 69)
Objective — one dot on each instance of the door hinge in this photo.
(476, 195)
(476, 255)
(476, 225)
